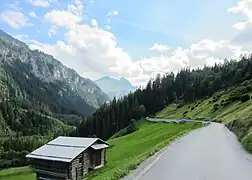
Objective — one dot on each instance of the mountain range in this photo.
(31, 80)
(115, 87)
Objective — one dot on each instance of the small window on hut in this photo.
(81, 160)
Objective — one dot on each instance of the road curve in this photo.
(208, 153)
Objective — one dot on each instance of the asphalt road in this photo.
(209, 153)
(174, 120)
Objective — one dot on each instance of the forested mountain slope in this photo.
(184, 87)
(35, 87)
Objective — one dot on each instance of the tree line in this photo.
(14, 149)
(187, 85)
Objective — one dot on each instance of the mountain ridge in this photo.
(49, 69)
(37, 90)
(115, 87)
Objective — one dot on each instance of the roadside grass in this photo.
(20, 173)
(203, 109)
(129, 151)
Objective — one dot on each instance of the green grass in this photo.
(129, 151)
(21, 173)
(125, 153)
(204, 110)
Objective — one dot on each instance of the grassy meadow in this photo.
(125, 153)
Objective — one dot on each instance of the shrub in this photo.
(216, 107)
(180, 105)
(192, 108)
(249, 88)
(225, 103)
(237, 93)
(241, 90)
(133, 126)
(245, 97)
(234, 97)
(247, 142)
(217, 120)
(215, 100)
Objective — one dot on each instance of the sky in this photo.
(132, 39)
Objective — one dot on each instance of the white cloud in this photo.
(113, 13)
(244, 7)
(205, 52)
(66, 18)
(90, 49)
(94, 23)
(39, 3)
(76, 8)
(13, 6)
(21, 37)
(62, 18)
(159, 47)
(52, 31)
(94, 52)
(33, 15)
(108, 27)
(15, 19)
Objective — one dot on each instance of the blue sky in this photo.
(192, 32)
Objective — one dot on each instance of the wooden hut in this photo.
(68, 158)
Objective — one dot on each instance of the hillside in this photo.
(188, 85)
(115, 88)
(224, 106)
(34, 84)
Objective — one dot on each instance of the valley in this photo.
(41, 99)
(124, 90)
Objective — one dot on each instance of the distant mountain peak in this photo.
(104, 77)
(124, 80)
(115, 87)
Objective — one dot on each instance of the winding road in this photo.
(208, 153)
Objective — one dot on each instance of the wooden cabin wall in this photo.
(92, 153)
(86, 164)
(79, 166)
(103, 157)
(50, 169)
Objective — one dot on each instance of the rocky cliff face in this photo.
(71, 92)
